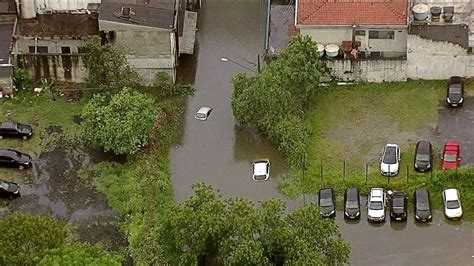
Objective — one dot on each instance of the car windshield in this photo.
(200, 115)
(260, 177)
(352, 205)
(376, 205)
(452, 204)
(3, 185)
(390, 156)
(423, 157)
(455, 89)
(422, 206)
(450, 157)
(325, 203)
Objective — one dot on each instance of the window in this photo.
(360, 32)
(65, 50)
(31, 49)
(39, 49)
(386, 34)
(82, 50)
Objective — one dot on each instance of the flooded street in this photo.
(216, 151)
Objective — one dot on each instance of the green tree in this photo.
(274, 100)
(80, 254)
(208, 228)
(27, 238)
(122, 123)
(107, 66)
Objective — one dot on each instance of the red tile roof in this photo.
(352, 12)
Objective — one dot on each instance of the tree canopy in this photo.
(274, 100)
(80, 254)
(209, 228)
(122, 123)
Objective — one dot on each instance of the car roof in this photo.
(391, 145)
(451, 194)
(8, 152)
(376, 192)
(352, 192)
(325, 193)
(423, 146)
(398, 201)
(421, 194)
(8, 124)
(204, 109)
(260, 167)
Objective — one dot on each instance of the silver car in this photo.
(203, 113)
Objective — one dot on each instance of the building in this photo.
(377, 27)
(147, 30)
(7, 22)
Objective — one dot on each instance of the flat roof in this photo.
(6, 30)
(59, 24)
(157, 14)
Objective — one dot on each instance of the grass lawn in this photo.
(350, 126)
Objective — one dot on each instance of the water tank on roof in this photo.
(332, 50)
(321, 49)
(421, 11)
(435, 13)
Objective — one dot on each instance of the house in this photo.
(377, 27)
(7, 22)
(147, 30)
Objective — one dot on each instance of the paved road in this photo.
(218, 153)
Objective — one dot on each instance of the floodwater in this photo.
(217, 151)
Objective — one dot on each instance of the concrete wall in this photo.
(155, 51)
(437, 60)
(330, 34)
(53, 67)
(54, 44)
(368, 70)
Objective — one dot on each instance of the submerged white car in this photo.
(261, 170)
(452, 204)
(376, 205)
(390, 160)
(203, 113)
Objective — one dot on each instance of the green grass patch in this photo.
(351, 125)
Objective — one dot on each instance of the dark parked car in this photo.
(13, 158)
(9, 189)
(423, 156)
(455, 94)
(352, 203)
(398, 206)
(422, 205)
(327, 202)
(12, 129)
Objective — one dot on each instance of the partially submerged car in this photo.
(352, 203)
(390, 160)
(11, 129)
(423, 156)
(9, 189)
(261, 170)
(451, 155)
(398, 206)
(203, 113)
(376, 205)
(452, 204)
(422, 205)
(16, 159)
(327, 202)
(455, 92)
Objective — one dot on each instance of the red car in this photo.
(451, 155)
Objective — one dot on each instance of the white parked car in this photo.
(390, 160)
(376, 205)
(203, 113)
(261, 170)
(452, 204)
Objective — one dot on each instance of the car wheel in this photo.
(21, 167)
(1, 137)
(25, 137)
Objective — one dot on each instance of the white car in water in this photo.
(203, 113)
(376, 205)
(261, 170)
(452, 204)
(390, 160)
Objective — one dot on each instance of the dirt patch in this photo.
(72, 92)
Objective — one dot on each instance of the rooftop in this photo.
(157, 13)
(59, 25)
(6, 30)
(352, 12)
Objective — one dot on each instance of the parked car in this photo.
(423, 156)
(9, 189)
(455, 93)
(203, 113)
(451, 155)
(398, 206)
(422, 205)
(376, 205)
(352, 203)
(13, 158)
(390, 160)
(452, 204)
(327, 202)
(261, 170)
(10, 129)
